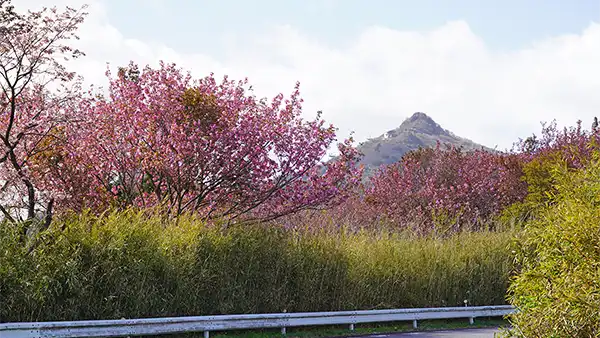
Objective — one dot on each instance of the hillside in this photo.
(419, 130)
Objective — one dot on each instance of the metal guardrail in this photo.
(206, 324)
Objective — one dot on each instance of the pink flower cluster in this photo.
(162, 139)
(463, 188)
(575, 145)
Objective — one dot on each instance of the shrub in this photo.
(557, 289)
(125, 264)
(571, 148)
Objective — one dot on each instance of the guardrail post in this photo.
(283, 330)
(206, 334)
(351, 327)
(415, 324)
(471, 319)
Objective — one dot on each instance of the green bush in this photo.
(127, 265)
(557, 290)
(541, 186)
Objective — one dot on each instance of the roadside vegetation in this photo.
(167, 195)
(126, 264)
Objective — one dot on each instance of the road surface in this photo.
(468, 333)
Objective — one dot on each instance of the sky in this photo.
(490, 71)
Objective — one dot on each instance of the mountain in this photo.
(419, 130)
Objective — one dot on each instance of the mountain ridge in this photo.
(418, 130)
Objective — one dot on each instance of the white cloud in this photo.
(384, 75)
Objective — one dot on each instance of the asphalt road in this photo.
(468, 333)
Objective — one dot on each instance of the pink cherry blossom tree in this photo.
(461, 188)
(161, 139)
(37, 94)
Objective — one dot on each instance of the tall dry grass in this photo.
(127, 265)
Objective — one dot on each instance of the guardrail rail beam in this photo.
(206, 324)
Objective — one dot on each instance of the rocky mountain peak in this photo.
(419, 130)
